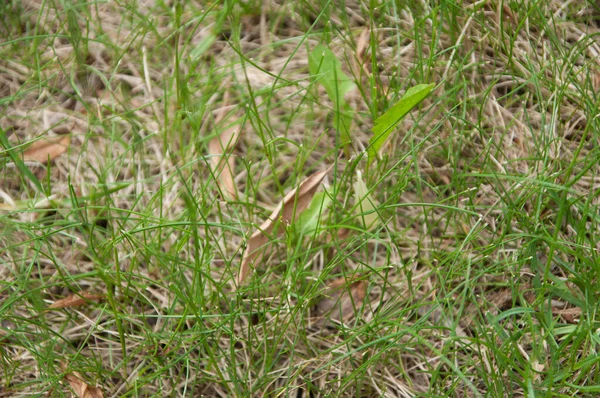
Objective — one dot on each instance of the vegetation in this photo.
(312, 198)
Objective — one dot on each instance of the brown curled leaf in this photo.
(75, 300)
(81, 388)
(47, 148)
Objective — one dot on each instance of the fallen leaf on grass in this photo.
(220, 150)
(81, 388)
(362, 43)
(75, 300)
(287, 211)
(341, 300)
(359, 66)
(222, 161)
(571, 315)
(47, 148)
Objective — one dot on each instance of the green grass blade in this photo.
(19, 162)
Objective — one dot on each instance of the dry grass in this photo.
(480, 279)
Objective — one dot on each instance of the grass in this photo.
(477, 277)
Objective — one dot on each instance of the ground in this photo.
(190, 202)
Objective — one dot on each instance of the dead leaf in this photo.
(362, 43)
(223, 162)
(287, 211)
(220, 150)
(48, 147)
(81, 388)
(571, 315)
(341, 300)
(75, 300)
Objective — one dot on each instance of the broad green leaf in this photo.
(384, 125)
(324, 66)
(308, 221)
(366, 206)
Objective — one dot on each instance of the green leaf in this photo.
(324, 66)
(385, 124)
(308, 222)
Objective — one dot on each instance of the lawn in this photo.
(299, 198)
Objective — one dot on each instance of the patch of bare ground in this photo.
(119, 255)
